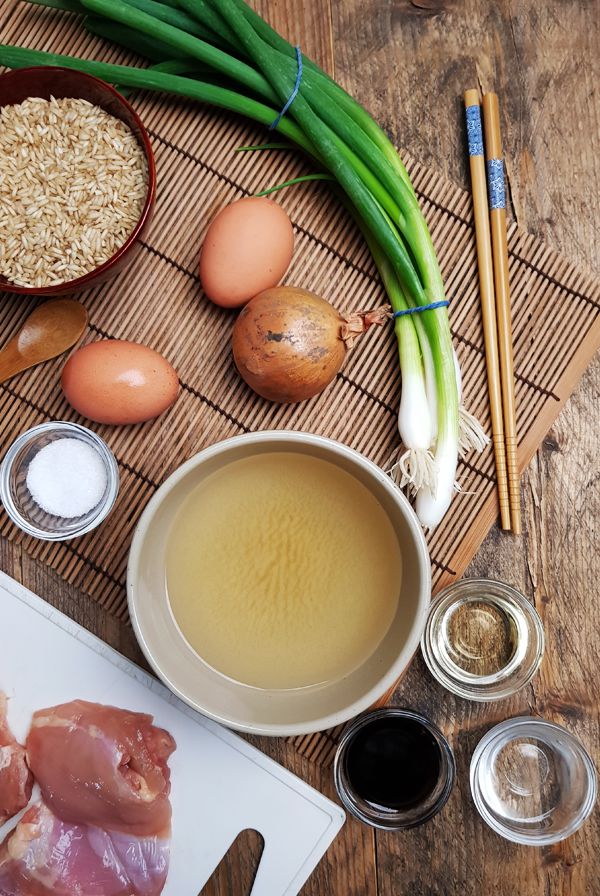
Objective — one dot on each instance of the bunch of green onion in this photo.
(223, 53)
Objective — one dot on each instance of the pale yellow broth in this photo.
(283, 571)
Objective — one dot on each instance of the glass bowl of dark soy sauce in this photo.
(393, 769)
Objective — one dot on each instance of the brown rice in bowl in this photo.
(73, 183)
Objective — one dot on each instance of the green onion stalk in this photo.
(194, 45)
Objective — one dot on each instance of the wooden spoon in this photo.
(50, 330)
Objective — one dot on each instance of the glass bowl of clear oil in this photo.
(483, 639)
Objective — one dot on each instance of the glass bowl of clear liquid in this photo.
(532, 781)
(483, 639)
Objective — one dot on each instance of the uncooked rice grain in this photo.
(73, 181)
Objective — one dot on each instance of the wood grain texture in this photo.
(409, 62)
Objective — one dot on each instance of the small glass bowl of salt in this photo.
(58, 481)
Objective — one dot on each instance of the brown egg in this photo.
(248, 248)
(114, 381)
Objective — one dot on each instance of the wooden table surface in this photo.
(408, 62)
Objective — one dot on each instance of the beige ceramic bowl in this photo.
(272, 712)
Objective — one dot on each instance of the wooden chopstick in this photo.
(497, 202)
(486, 286)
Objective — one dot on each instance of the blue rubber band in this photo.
(294, 92)
(418, 308)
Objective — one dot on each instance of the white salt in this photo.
(67, 478)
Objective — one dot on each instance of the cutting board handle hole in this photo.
(236, 872)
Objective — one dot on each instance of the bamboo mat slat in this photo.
(158, 301)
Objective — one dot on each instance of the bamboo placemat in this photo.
(158, 301)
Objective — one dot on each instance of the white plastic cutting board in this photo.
(220, 784)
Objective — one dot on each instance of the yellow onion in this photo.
(289, 344)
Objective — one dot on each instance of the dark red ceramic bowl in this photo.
(46, 81)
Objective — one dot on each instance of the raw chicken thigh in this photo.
(104, 824)
(16, 780)
(48, 857)
(103, 766)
